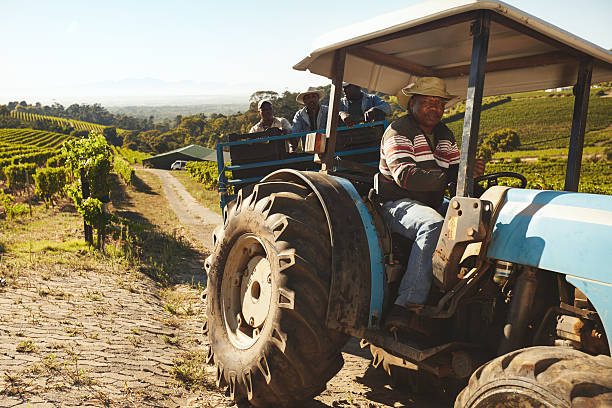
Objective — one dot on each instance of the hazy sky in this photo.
(56, 48)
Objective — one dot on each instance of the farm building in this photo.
(187, 153)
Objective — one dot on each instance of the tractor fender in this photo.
(564, 232)
(357, 283)
(557, 231)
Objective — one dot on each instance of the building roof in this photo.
(386, 53)
(195, 151)
(213, 157)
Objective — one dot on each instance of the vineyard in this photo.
(35, 159)
(132, 156)
(549, 174)
(76, 124)
(31, 138)
(543, 120)
(26, 146)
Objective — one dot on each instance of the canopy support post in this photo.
(473, 104)
(581, 107)
(334, 108)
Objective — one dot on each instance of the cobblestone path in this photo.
(96, 338)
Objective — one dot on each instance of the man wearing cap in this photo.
(418, 158)
(357, 106)
(268, 120)
(313, 116)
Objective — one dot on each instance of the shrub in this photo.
(58, 160)
(49, 182)
(93, 155)
(93, 214)
(17, 174)
(11, 210)
(205, 173)
(123, 169)
(79, 134)
(503, 140)
(484, 153)
(91, 158)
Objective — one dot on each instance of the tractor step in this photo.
(413, 346)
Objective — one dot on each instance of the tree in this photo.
(261, 95)
(110, 134)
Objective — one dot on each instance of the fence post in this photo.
(28, 191)
(85, 193)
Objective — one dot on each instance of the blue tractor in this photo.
(521, 302)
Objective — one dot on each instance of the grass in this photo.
(178, 302)
(190, 370)
(15, 385)
(26, 346)
(587, 151)
(136, 341)
(208, 198)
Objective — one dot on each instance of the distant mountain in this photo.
(137, 92)
(162, 112)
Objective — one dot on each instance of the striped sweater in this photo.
(410, 162)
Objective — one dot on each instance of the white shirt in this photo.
(281, 123)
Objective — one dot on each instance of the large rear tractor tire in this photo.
(551, 377)
(269, 278)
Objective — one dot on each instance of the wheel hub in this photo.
(246, 291)
(256, 291)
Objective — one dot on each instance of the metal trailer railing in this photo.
(223, 183)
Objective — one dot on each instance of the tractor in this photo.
(520, 311)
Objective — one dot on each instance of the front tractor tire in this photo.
(269, 279)
(541, 377)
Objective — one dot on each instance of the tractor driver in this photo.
(418, 158)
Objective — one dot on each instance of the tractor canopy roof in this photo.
(434, 39)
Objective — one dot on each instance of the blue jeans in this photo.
(421, 224)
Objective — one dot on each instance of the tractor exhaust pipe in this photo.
(522, 301)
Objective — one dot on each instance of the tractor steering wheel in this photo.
(491, 180)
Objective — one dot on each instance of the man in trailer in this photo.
(418, 158)
(313, 116)
(268, 120)
(357, 106)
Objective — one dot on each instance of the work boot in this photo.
(402, 318)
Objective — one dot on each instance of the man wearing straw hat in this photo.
(313, 116)
(418, 158)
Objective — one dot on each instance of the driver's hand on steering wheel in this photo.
(479, 168)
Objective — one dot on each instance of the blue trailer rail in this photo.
(222, 168)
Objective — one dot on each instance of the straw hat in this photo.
(311, 89)
(428, 86)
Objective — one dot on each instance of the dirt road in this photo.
(197, 218)
(357, 384)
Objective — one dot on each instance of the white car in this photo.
(178, 165)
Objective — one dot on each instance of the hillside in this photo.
(32, 137)
(543, 120)
(75, 124)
